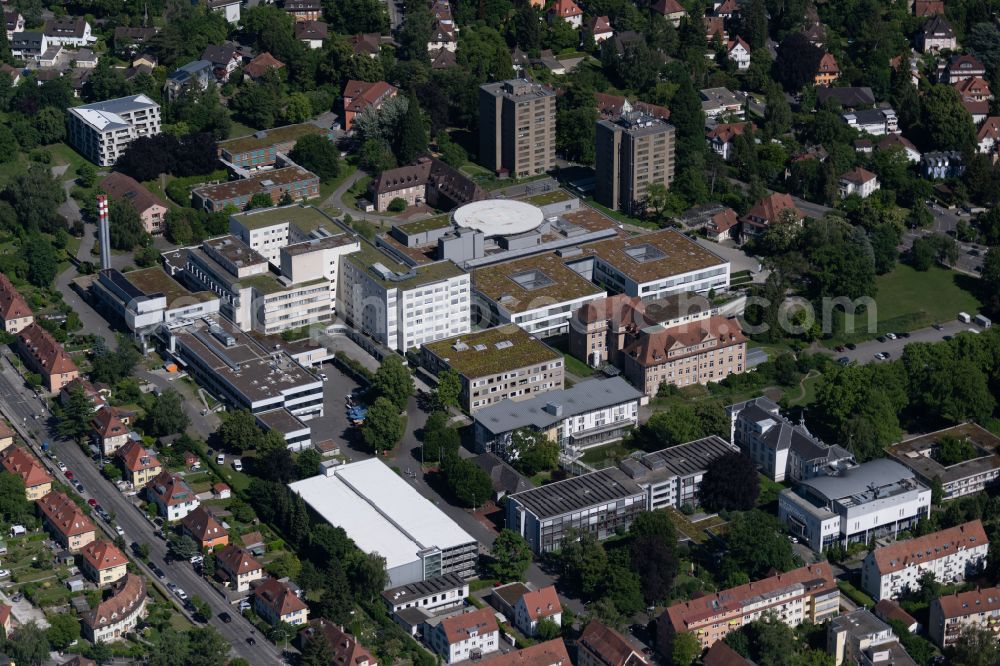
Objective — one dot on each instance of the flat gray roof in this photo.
(424, 588)
(579, 492)
(581, 398)
(682, 460)
(859, 480)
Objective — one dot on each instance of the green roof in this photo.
(546, 198)
(306, 218)
(267, 283)
(419, 226)
(155, 280)
(242, 144)
(369, 255)
(524, 350)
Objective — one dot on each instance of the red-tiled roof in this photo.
(361, 94)
(611, 106)
(64, 514)
(18, 461)
(549, 653)
(827, 65)
(858, 176)
(12, 304)
(566, 8)
(771, 206)
(128, 595)
(733, 43)
(668, 7)
(720, 654)
(980, 600)
(542, 603)
(108, 423)
(136, 458)
(103, 555)
(902, 554)
(653, 349)
(237, 560)
(887, 610)
(203, 526)
(990, 129)
(49, 354)
(257, 67)
(170, 488)
(609, 646)
(599, 25)
(277, 596)
(347, 651)
(125, 188)
(459, 627)
(726, 132)
(724, 220)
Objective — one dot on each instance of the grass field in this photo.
(908, 299)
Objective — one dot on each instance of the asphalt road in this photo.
(21, 406)
(865, 351)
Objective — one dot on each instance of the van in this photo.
(964, 317)
(238, 465)
(983, 321)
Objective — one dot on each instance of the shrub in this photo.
(397, 205)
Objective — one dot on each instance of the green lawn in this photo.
(239, 129)
(908, 299)
(357, 190)
(63, 154)
(326, 189)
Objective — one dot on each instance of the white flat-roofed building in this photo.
(672, 477)
(384, 514)
(953, 555)
(102, 131)
(400, 306)
(412, 603)
(875, 499)
(267, 230)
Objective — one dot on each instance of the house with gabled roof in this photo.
(14, 311)
(600, 645)
(827, 71)
(773, 208)
(936, 34)
(568, 11)
(346, 649)
(858, 181)
(140, 465)
(359, 96)
(118, 615)
(467, 636)
(202, 526)
(238, 567)
(276, 602)
(989, 135)
(261, 65)
(537, 606)
(66, 521)
(46, 357)
(103, 562)
(671, 10)
(152, 211)
(110, 429)
(311, 33)
(37, 481)
(600, 28)
(738, 51)
(173, 497)
(723, 135)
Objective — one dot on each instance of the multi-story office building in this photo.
(633, 152)
(517, 127)
(782, 449)
(496, 364)
(964, 477)
(102, 131)
(400, 306)
(808, 594)
(952, 614)
(869, 501)
(261, 149)
(952, 555)
(539, 293)
(294, 181)
(600, 502)
(268, 230)
(672, 477)
(588, 414)
(384, 514)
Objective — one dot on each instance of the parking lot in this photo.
(865, 351)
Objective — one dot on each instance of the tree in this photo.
(317, 651)
(112, 366)
(147, 157)
(206, 647)
(393, 382)
(125, 226)
(731, 483)
(368, 576)
(976, 647)
(43, 263)
(181, 546)
(105, 82)
(76, 415)
(532, 452)
(14, 507)
(469, 482)
(376, 156)
(318, 154)
(49, 125)
(448, 390)
(684, 648)
(947, 123)
(797, 62)
(100, 652)
(546, 630)
(669, 428)
(884, 240)
(308, 463)
(166, 416)
(202, 609)
(583, 563)
(63, 630)
(337, 601)
(755, 545)
(260, 200)
(28, 644)
(383, 427)
(511, 556)
(239, 431)
(412, 134)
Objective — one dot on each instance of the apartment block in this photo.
(496, 364)
(960, 478)
(261, 149)
(14, 311)
(102, 131)
(517, 127)
(952, 614)
(952, 555)
(67, 522)
(600, 502)
(633, 152)
(294, 181)
(37, 480)
(467, 636)
(672, 477)
(118, 615)
(860, 638)
(402, 306)
(807, 594)
(43, 355)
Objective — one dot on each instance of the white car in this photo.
(4, 573)
(181, 594)
(62, 466)
(118, 528)
(881, 356)
(238, 465)
(891, 336)
(220, 459)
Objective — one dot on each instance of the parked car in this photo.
(220, 459)
(937, 327)
(843, 360)
(4, 573)
(225, 617)
(238, 465)
(181, 594)
(881, 338)
(68, 474)
(851, 346)
(880, 356)
(62, 466)
(92, 502)
(891, 336)
(119, 530)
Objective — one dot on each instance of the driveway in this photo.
(24, 612)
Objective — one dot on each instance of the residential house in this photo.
(140, 465)
(238, 567)
(13, 72)
(311, 33)
(858, 181)
(118, 615)
(738, 51)
(275, 602)
(898, 140)
(610, 107)
(46, 357)
(876, 122)
(961, 67)
(37, 481)
(720, 102)
(442, 38)
(14, 311)
(806, 594)
(261, 65)
(67, 522)
(859, 637)
(942, 164)
(304, 10)
(103, 562)
(953, 555)
(130, 40)
(225, 59)
(537, 606)
(467, 636)
(849, 97)
(724, 225)
(359, 96)
(952, 614)
(202, 526)
(548, 653)
(221, 491)
(110, 429)
(14, 21)
(600, 645)
(152, 211)
(987, 138)
(600, 29)
(6, 436)
(568, 11)
(427, 180)
(97, 397)
(936, 35)
(68, 31)
(723, 135)
(344, 647)
(815, 35)
(772, 209)
(506, 480)
(888, 610)
(720, 654)
(172, 496)
(927, 7)
(827, 70)
(975, 88)
(672, 10)
(727, 9)
(6, 619)
(715, 28)
(367, 43)
(195, 75)
(29, 45)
